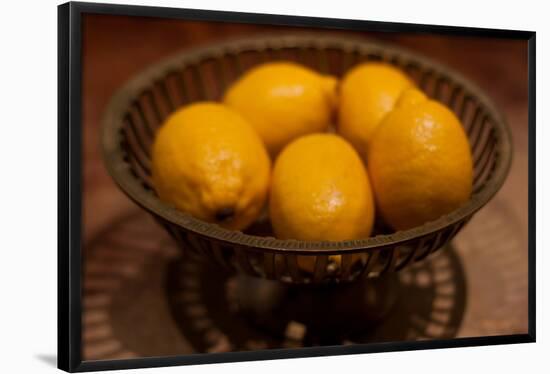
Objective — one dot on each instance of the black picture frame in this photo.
(70, 192)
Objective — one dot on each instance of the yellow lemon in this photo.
(282, 101)
(419, 162)
(208, 161)
(320, 191)
(367, 93)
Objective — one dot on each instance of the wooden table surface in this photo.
(116, 48)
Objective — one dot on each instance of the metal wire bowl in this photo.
(140, 107)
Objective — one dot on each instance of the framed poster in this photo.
(248, 186)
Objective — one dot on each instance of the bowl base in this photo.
(315, 313)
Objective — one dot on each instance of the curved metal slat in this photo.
(293, 268)
(408, 257)
(243, 261)
(346, 263)
(155, 107)
(475, 139)
(269, 265)
(320, 269)
(150, 131)
(372, 260)
(171, 106)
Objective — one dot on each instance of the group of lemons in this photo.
(324, 156)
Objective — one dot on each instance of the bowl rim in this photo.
(113, 154)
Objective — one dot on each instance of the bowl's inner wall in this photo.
(207, 79)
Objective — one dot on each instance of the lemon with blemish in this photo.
(208, 161)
